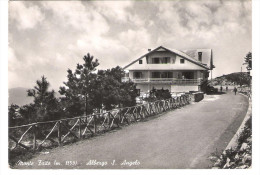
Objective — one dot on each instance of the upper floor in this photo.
(162, 58)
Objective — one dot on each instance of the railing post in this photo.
(34, 137)
(136, 112)
(95, 124)
(59, 132)
(120, 115)
(80, 131)
(109, 119)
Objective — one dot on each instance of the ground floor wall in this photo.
(145, 88)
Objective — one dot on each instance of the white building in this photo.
(178, 71)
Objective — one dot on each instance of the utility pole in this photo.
(211, 75)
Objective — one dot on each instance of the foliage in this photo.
(44, 107)
(239, 156)
(14, 117)
(89, 92)
(248, 61)
(246, 132)
(78, 88)
(84, 92)
(158, 94)
(110, 92)
(45, 104)
(237, 78)
(28, 113)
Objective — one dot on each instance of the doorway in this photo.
(188, 75)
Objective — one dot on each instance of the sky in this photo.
(48, 37)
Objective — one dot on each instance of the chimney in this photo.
(149, 50)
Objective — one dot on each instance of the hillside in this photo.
(19, 96)
(232, 79)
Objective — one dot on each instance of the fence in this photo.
(246, 90)
(33, 136)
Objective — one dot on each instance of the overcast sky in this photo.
(47, 38)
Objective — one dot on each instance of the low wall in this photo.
(198, 96)
(187, 88)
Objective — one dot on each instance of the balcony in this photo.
(165, 81)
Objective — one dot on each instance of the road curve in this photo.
(183, 138)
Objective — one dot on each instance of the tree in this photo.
(110, 92)
(28, 113)
(78, 88)
(162, 94)
(128, 94)
(45, 104)
(158, 94)
(248, 61)
(14, 117)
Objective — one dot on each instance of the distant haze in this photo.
(19, 96)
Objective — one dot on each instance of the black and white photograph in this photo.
(122, 85)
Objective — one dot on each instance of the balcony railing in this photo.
(164, 80)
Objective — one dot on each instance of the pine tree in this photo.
(78, 88)
(248, 61)
(111, 92)
(45, 102)
(13, 115)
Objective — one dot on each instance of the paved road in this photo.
(183, 138)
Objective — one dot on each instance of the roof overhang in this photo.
(179, 53)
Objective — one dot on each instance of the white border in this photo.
(4, 103)
(256, 87)
(3, 86)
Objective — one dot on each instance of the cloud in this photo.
(76, 16)
(204, 20)
(135, 39)
(27, 17)
(117, 32)
(12, 59)
(115, 11)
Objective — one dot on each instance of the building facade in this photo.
(177, 71)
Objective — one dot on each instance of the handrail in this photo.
(171, 80)
(92, 124)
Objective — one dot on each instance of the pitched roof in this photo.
(207, 56)
(179, 53)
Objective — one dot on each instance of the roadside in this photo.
(183, 138)
(238, 153)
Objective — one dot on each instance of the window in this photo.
(200, 56)
(161, 60)
(165, 60)
(170, 74)
(156, 75)
(140, 61)
(137, 75)
(166, 75)
(162, 75)
(156, 60)
(182, 61)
